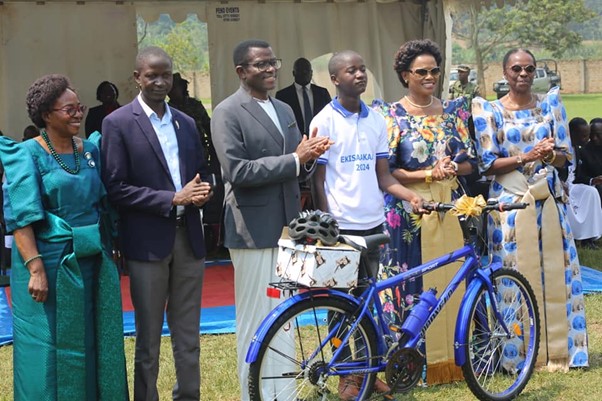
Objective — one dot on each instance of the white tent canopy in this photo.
(93, 41)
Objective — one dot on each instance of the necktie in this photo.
(307, 113)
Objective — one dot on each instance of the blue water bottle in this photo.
(420, 312)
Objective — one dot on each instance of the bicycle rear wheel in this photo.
(295, 361)
(498, 367)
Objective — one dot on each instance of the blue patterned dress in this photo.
(504, 133)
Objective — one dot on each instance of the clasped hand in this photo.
(313, 147)
(195, 192)
(541, 150)
(443, 169)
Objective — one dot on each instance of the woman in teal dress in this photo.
(68, 330)
(429, 149)
(521, 138)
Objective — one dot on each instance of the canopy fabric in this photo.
(93, 41)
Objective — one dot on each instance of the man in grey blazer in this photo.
(262, 153)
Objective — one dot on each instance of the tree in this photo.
(493, 28)
(186, 42)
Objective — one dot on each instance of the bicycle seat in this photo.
(365, 243)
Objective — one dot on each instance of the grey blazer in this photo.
(258, 170)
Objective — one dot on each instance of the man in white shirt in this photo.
(306, 99)
(350, 175)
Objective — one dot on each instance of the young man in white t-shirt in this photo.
(351, 175)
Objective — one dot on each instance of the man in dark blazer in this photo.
(317, 96)
(261, 153)
(152, 163)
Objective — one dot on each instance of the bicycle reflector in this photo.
(272, 292)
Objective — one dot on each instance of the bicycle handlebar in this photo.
(491, 205)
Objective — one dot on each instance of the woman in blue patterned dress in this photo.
(68, 324)
(429, 147)
(520, 139)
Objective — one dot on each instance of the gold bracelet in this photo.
(28, 261)
(428, 176)
(549, 160)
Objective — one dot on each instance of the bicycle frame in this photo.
(471, 270)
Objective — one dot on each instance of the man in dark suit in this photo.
(153, 161)
(261, 153)
(305, 98)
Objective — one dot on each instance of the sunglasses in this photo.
(423, 72)
(72, 111)
(529, 69)
(264, 65)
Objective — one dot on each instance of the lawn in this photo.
(585, 106)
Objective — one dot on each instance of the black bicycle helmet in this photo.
(313, 225)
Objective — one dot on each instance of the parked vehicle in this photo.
(546, 77)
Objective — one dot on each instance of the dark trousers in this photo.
(172, 286)
(370, 262)
(368, 268)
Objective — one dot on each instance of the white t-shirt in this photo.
(351, 184)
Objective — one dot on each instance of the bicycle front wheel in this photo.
(498, 366)
(295, 360)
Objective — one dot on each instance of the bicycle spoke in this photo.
(297, 362)
(500, 363)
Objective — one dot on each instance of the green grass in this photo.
(219, 382)
(586, 106)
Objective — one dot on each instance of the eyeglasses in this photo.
(423, 72)
(72, 110)
(264, 65)
(517, 69)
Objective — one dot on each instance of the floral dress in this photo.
(556, 281)
(417, 143)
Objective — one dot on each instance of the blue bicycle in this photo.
(310, 340)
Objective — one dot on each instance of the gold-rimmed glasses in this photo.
(423, 72)
(517, 69)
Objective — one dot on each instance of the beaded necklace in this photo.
(420, 106)
(58, 158)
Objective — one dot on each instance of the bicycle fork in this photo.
(481, 278)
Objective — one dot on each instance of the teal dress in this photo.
(71, 346)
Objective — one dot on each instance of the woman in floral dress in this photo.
(429, 147)
(520, 139)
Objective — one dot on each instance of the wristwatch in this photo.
(454, 165)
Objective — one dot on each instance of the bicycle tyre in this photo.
(498, 368)
(298, 338)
